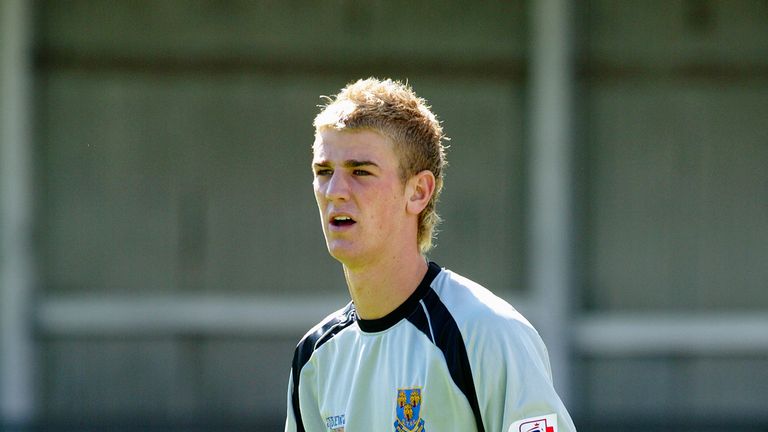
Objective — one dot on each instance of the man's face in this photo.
(360, 196)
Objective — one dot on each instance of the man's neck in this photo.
(380, 288)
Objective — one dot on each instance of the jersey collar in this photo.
(405, 309)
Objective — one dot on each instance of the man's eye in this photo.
(323, 172)
(359, 172)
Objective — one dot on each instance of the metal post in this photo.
(16, 344)
(550, 209)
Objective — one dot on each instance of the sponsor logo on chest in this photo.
(336, 423)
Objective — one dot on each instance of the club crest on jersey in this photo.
(408, 410)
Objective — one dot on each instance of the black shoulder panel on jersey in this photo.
(308, 345)
(417, 314)
(445, 333)
(420, 320)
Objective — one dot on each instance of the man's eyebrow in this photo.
(351, 163)
(359, 163)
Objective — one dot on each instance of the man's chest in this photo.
(393, 382)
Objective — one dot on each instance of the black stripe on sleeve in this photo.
(448, 338)
(309, 345)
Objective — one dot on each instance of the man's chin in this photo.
(344, 254)
(341, 255)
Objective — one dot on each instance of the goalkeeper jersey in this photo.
(452, 357)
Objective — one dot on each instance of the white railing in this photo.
(597, 334)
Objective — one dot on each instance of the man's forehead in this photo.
(364, 144)
(330, 134)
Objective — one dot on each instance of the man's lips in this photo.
(340, 221)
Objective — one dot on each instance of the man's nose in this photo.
(337, 187)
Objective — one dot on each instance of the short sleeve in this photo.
(513, 380)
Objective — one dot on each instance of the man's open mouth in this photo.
(340, 221)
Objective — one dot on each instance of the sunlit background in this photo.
(161, 251)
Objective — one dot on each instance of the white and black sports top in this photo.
(452, 357)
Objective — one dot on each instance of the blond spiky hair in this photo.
(392, 109)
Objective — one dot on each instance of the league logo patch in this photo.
(408, 410)
(546, 423)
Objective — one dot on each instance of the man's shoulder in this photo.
(323, 332)
(474, 306)
(490, 325)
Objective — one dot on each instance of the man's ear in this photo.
(419, 191)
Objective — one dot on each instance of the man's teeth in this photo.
(342, 221)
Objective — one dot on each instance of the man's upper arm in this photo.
(513, 380)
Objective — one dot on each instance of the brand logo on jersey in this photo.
(408, 410)
(336, 423)
(547, 423)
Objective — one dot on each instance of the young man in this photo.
(419, 348)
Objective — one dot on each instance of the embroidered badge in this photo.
(408, 411)
(546, 423)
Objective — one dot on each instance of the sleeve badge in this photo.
(545, 423)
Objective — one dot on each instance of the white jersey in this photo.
(452, 357)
